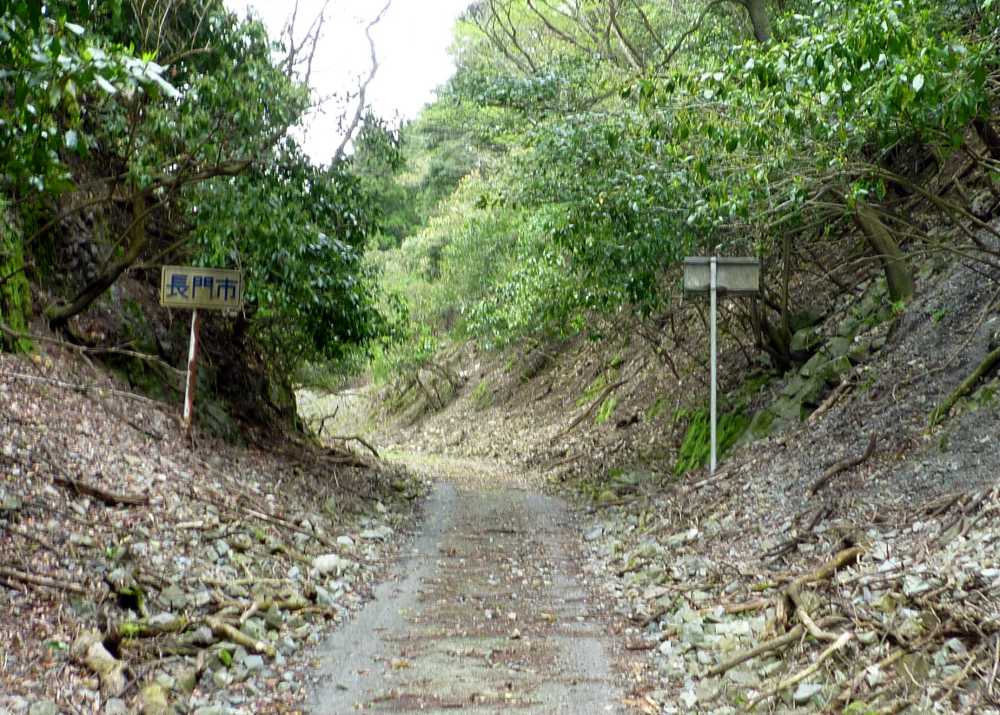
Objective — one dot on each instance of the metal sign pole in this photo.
(192, 370)
(713, 289)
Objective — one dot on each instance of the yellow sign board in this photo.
(206, 288)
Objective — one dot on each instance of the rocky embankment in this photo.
(141, 573)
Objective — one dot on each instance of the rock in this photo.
(345, 541)
(325, 598)
(805, 692)
(165, 621)
(115, 706)
(153, 700)
(173, 598)
(806, 341)
(607, 497)
(381, 533)
(210, 710)
(594, 534)
(253, 663)
(983, 204)
(254, 628)
(187, 679)
(43, 707)
(332, 563)
(89, 650)
(221, 678)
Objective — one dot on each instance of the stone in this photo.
(806, 341)
(43, 707)
(165, 621)
(253, 663)
(594, 534)
(381, 533)
(325, 598)
(210, 710)
(174, 598)
(187, 679)
(89, 649)
(332, 563)
(153, 700)
(115, 706)
(805, 692)
(254, 628)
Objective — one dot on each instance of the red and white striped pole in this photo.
(192, 371)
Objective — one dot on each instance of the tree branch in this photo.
(338, 155)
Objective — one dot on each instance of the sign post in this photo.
(198, 289)
(732, 277)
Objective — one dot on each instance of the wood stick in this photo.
(226, 631)
(359, 439)
(765, 647)
(110, 498)
(37, 580)
(803, 674)
(843, 465)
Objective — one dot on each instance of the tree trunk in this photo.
(59, 314)
(759, 19)
(897, 273)
(774, 338)
(989, 135)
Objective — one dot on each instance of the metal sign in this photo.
(207, 288)
(735, 276)
(732, 276)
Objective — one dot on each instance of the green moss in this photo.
(606, 410)
(593, 390)
(15, 297)
(482, 396)
(696, 447)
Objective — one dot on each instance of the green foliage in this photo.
(15, 295)
(609, 174)
(696, 447)
(299, 232)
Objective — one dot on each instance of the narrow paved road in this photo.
(485, 614)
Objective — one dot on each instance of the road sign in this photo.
(198, 289)
(731, 276)
(735, 276)
(208, 288)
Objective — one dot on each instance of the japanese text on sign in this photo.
(210, 288)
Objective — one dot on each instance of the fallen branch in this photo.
(36, 580)
(109, 498)
(830, 401)
(843, 465)
(765, 647)
(227, 632)
(938, 415)
(83, 387)
(803, 674)
(360, 440)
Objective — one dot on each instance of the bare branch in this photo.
(352, 127)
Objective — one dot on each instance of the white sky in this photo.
(411, 41)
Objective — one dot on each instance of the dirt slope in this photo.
(139, 572)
